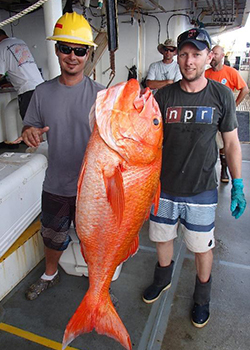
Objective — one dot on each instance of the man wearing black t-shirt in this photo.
(193, 109)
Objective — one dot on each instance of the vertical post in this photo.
(52, 11)
(112, 24)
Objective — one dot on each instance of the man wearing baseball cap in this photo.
(193, 109)
(167, 70)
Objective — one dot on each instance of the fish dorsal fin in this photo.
(115, 192)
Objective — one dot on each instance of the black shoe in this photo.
(224, 175)
(162, 282)
(153, 293)
(200, 315)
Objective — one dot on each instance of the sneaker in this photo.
(200, 315)
(41, 285)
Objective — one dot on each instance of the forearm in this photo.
(158, 84)
(242, 94)
(26, 127)
(234, 159)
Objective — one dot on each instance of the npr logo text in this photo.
(202, 115)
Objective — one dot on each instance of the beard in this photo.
(214, 63)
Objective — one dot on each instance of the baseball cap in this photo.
(168, 42)
(197, 36)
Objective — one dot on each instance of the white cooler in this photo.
(73, 262)
(21, 179)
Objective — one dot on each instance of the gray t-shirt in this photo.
(191, 121)
(162, 71)
(65, 110)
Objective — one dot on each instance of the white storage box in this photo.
(21, 178)
(73, 262)
(42, 148)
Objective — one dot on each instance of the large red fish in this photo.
(118, 183)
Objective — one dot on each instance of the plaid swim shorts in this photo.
(57, 214)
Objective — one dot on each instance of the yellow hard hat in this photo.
(73, 28)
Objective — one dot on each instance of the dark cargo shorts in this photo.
(58, 212)
(23, 102)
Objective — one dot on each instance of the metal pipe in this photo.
(158, 6)
(111, 10)
(222, 12)
(209, 6)
(233, 9)
(225, 7)
(215, 8)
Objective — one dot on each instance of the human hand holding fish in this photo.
(119, 182)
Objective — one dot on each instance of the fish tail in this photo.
(99, 314)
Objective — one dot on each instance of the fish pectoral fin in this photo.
(115, 191)
(157, 198)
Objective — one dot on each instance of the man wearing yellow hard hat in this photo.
(60, 108)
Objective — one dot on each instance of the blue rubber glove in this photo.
(238, 201)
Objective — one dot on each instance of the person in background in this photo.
(193, 109)
(167, 70)
(60, 108)
(230, 77)
(18, 63)
(226, 61)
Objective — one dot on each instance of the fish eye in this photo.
(156, 121)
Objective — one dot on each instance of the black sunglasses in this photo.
(66, 50)
(168, 49)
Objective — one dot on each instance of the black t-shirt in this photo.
(191, 121)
